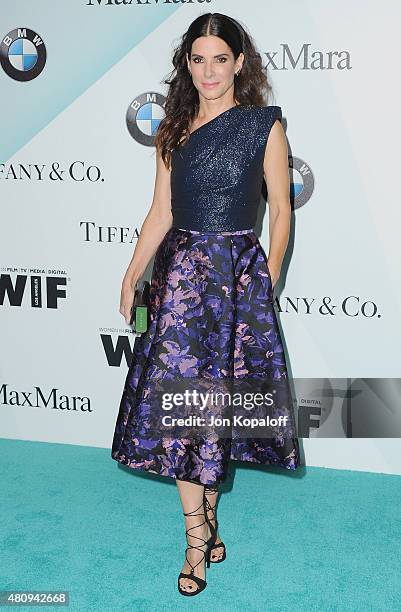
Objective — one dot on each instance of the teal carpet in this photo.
(319, 539)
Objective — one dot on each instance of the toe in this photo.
(187, 585)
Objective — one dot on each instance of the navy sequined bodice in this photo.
(216, 177)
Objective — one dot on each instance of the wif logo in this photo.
(115, 354)
(116, 343)
(39, 289)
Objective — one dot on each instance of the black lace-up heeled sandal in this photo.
(209, 543)
(211, 490)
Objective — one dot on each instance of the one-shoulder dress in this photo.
(212, 316)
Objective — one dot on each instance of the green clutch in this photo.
(140, 308)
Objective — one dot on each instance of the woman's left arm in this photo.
(275, 167)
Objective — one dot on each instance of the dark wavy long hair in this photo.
(182, 100)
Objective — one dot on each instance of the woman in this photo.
(211, 299)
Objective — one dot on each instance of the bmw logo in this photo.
(22, 54)
(143, 117)
(302, 183)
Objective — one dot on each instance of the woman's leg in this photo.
(191, 495)
(212, 497)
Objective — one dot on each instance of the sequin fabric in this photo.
(217, 175)
(212, 315)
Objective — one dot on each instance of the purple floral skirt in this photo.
(211, 318)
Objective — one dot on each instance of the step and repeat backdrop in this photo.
(82, 96)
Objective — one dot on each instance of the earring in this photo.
(237, 73)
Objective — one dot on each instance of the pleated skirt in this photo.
(212, 318)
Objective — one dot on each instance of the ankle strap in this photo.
(212, 488)
(192, 511)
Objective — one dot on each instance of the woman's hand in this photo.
(127, 296)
